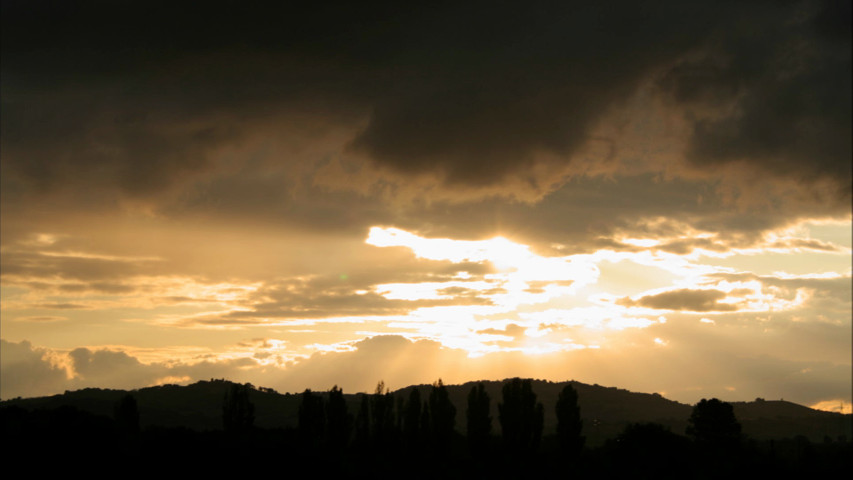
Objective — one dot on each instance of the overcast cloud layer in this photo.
(191, 191)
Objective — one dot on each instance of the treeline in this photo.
(413, 433)
(401, 424)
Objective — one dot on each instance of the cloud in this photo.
(485, 96)
(41, 319)
(401, 362)
(115, 368)
(828, 296)
(510, 337)
(784, 107)
(58, 306)
(705, 300)
(817, 298)
(357, 294)
(184, 294)
(36, 264)
(28, 371)
(511, 330)
(35, 371)
(808, 244)
(222, 166)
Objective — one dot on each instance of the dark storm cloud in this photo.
(683, 299)
(507, 83)
(595, 213)
(785, 84)
(142, 98)
(137, 96)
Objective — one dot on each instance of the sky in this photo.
(649, 195)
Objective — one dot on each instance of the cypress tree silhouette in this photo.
(338, 421)
(442, 414)
(399, 409)
(312, 420)
(479, 420)
(238, 413)
(412, 419)
(382, 414)
(126, 414)
(538, 425)
(569, 424)
(426, 423)
(362, 423)
(521, 417)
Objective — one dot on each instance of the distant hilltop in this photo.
(605, 411)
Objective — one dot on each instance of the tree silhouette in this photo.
(651, 450)
(412, 419)
(126, 414)
(569, 422)
(362, 422)
(426, 422)
(442, 414)
(538, 425)
(382, 414)
(479, 420)
(338, 421)
(399, 408)
(521, 417)
(312, 420)
(238, 413)
(713, 423)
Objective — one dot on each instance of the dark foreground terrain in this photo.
(509, 429)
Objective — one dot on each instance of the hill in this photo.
(606, 411)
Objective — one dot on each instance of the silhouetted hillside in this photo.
(605, 411)
(766, 419)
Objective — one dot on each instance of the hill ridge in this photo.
(606, 411)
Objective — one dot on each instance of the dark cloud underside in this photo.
(684, 299)
(139, 98)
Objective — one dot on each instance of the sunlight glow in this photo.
(526, 303)
(538, 293)
(838, 406)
